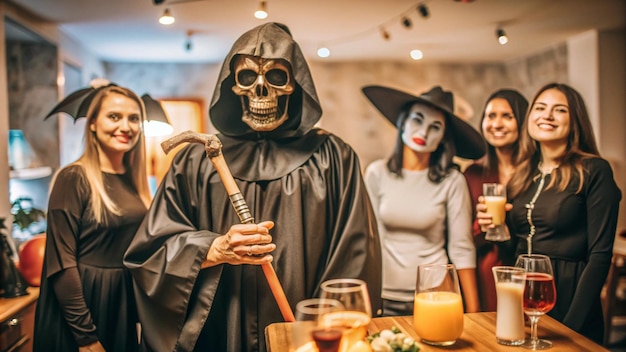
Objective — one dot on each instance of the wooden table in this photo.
(478, 335)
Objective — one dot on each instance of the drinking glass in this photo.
(307, 335)
(438, 308)
(510, 282)
(356, 314)
(495, 200)
(539, 294)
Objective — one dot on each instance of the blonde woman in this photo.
(96, 204)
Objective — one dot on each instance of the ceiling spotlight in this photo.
(423, 10)
(261, 13)
(501, 35)
(406, 22)
(167, 18)
(416, 54)
(384, 34)
(323, 52)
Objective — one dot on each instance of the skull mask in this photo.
(264, 86)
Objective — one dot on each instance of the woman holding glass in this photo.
(564, 204)
(501, 123)
(420, 197)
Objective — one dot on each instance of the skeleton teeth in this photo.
(264, 119)
(263, 107)
(265, 112)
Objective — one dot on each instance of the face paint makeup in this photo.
(424, 128)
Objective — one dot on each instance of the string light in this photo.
(423, 10)
(385, 34)
(406, 22)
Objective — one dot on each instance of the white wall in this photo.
(597, 69)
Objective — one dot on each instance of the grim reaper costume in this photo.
(306, 180)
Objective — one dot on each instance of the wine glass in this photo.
(356, 315)
(307, 336)
(539, 294)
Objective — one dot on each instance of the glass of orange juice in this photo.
(438, 308)
(495, 200)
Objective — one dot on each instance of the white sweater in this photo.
(414, 215)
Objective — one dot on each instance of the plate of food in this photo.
(392, 340)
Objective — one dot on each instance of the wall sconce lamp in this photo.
(261, 13)
(166, 18)
(157, 122)
(502, 37)
(423, 10)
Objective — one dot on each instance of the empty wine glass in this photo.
(356, 315)
(307, 334)
(539, 294)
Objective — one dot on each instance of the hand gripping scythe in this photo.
(213, 148)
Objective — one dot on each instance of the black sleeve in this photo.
(69, 292)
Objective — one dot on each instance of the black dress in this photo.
(74, 239)
(577, 232)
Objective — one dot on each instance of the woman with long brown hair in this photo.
(564, 204)
(501, 124)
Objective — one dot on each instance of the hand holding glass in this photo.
(438, 308)
(356, 315)
(539, 294)
(495, 200)
(308, 336)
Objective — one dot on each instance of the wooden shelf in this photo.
(30, 174)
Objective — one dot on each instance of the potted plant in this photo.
(27, 218)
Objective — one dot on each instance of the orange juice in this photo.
(495, 207)
(353, 324)
(438, 316)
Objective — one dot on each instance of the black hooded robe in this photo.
(306, 180)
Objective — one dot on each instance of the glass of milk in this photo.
(510, 283)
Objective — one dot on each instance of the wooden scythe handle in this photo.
(213, 147)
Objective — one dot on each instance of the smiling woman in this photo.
(95, 207)
(501, 123)
(565, 204)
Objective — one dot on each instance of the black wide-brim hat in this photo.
(390, 102)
